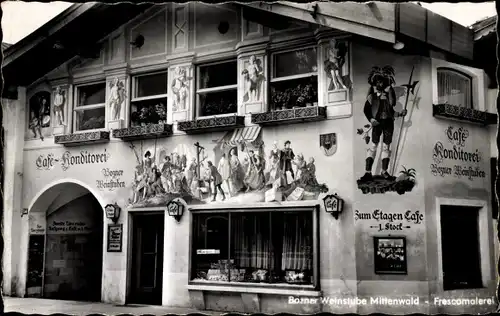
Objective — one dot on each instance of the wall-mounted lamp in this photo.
(333, 205)
(175, 209)
(398, 45)
(138, 41)
(24, 211)
(112, 212)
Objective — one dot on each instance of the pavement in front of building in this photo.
(47, 307)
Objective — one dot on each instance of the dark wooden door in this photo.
(147, 256)
(460, 248)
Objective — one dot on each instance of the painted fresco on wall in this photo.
(336, 57)
(39, 114)
(180, 89)
(382, 120)
(59, 106)
(116, 100)
(253, 74)
(230, 171)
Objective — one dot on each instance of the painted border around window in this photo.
(478, 83)
(88, 107)
(486, 252)
(264, 286)
(197, 91)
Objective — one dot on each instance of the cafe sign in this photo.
(68, 159)
(451, 158)
(387, 221)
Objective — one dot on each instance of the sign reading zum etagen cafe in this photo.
(68, 159)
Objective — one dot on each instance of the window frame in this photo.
(134, 82)
(462, 74)
(76, 109)
(198, 91)
(315, 246)
(273, 79)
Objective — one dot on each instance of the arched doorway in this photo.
(65, 244)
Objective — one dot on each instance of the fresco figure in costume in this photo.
(180, 89)
(225, 172)
(379, 111)
(38, 107)
(59, 101)
(287, 156)
(253, 74)
(217, 180)
(237, 174)
(334, 64)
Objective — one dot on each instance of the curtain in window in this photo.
(297, 242)
(454, 88)
(252, 242)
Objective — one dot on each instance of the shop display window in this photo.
(253, 247)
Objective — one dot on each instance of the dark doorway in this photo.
(460, 247)
(147, 259)
(73, 252)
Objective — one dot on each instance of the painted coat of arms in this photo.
(328, 143)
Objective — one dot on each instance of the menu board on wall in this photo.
(115, 234)
(36, 251)
(390, 255)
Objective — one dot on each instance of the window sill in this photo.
(251, 288)
(453, 112)
(143, 132)
(82, 138)
(290, 116)
(213, 124)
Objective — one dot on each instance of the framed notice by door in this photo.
(390, 255)
(115, 236)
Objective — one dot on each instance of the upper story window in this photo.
(454, 88)
(294, 78)
(90, 109)
(149, 99)
(217, 88)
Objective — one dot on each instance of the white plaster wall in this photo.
(14, 122)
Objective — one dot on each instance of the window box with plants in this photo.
(148, 108)
(293, 89)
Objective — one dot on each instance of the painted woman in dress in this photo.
(274, 166)
(254, 179)
(237, 174)
(180, 89)
(225, 171)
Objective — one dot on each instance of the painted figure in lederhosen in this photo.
(379, 111)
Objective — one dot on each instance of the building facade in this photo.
(250, 158)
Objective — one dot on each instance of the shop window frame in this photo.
(462, 74)
(160, 97)
(198, 91)
(273, 79)
(264, 287)
(76, 108)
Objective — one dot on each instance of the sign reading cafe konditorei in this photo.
(111, 180)
(68, 159)
(452, 158)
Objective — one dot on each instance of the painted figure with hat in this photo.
(379, 111)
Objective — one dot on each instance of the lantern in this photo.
(175, 209)
(333, 205)
(112, 212)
